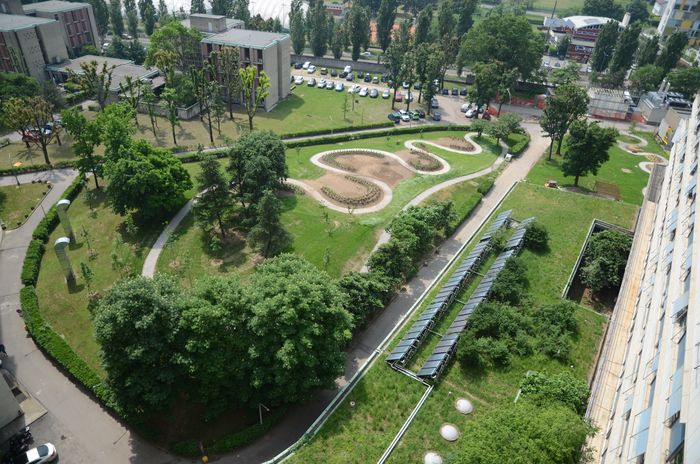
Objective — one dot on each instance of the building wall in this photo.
(54, 48)
(654, 411)
(11, 7)
(79, 27)
(681, 15)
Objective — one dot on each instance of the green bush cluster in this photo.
(309, 133)
(563, 388)
(485, 185)
(605, 260)
(511, 284)
(35, 168)
(32, 262)
(519, 144)
(556, 325)
(536, 237)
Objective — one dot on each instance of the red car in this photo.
(398, 97)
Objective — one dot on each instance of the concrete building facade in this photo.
(681, 15)
(77, 21)
(583, 31)
(267, 51)
(28, 44)
(646, 394)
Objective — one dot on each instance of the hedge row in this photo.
(32, 262)
(231, 441)
(309, 133)
(519, 145)
(35, 168)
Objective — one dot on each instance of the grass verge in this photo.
(18, 202)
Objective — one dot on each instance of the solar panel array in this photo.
(403, 351)
(447, 345)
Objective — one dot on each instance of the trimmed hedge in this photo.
(32, 262)
(518, 145)
(35, 168)
(309, 133)
(485, 186)
(231, 441)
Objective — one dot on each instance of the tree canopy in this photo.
(646, 78)
(669, 56)
(569, 104)
(173, 37)
(604, 8)
(604, 46)
(587, 148)
(685, 81)
(605, 259)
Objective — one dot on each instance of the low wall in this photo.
(328, 62)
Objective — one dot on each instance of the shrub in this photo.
(605, 260)
(32, 262)
(365, 293)
(372, 195)
(511, 284)
(485, 185)
(517, 143)
(561, 388)
(555, 325)
(313, 132)
(536, 237)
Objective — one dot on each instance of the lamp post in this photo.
(17, 165)
(260, 408)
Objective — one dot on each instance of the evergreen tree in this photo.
(425, 19)
(638, 10)
(317, 20)
(670, 55)
(132, 20)
(115, 17)
(647, 51)
(162, 12)
(627, 43)
(385, 22)
(269, 235)
(197, 6)
(214, 199)
(101, 12)
(149, 20)
(604, 47)
(338, 40)
(358, 29)
(297, 28)
(221, 7)
(240, 10)
(466, 13)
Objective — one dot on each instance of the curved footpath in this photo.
(85, 433)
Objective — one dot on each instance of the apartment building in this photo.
(681, 15)
(267, 51)
(28, 44)
(646, 392)
(77, 21)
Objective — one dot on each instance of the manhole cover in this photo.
(464, 406)
(449, 432)
(432, 458)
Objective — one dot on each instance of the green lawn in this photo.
(66, 309)
(18, 202)
(653, 145)
(346, 239)
(614, 171)
(18, 151)
(384, 398)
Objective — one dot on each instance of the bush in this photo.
(555, 325)
(561, 388)
(517, 143)
(605, 260)
(485, 185)
(511, 284)
(309, 133)
(365, 294)
(32, 262)
(536, 237)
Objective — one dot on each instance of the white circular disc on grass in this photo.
(432, 457)
(464, 406)
(449, 432)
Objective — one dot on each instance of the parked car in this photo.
(366, 53)
(350, 77)
(383, 78)
(405, 117)
(434, 103)
(311, 82)
(324, 71)
(405, 85)
(375, 80)
(311, 69)
(364, 91)
(39, 455)
(298, 80)
(360, 74)
(463, 91)
(298, 65)
(354, 89)
(306, 64)
(409, 97)
(342, 75)
(321, 84)
(330, 85)
(471, 112)
(437, 116)
(445, 91)
(374, 93)
(398, 97)
(465, 107)
(421, 113)
(417, 86)
(394, 116)
(368, 77)
(347, 69)
(339, 87)
(386, 94)
(334, 72)
(414, 115)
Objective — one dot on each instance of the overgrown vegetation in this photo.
(605, 260)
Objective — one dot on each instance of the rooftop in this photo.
(18, 22)
(230, 23)
(53, 6)
(120, 69)
(246, 38)
(577, 22)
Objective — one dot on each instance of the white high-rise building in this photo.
(646, 393)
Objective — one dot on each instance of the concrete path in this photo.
(149, 265)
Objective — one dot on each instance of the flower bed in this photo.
(373, 194)
(331, 159)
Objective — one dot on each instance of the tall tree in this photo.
(604, 47)
(569, 74)
(169, 101)
(685, 81)
(587, 148)
(445, 19)
(466, 9)
(240, 10)
(162, 12)
(115, 17)
(423, 22)
(31, 117)
(255, 90)
(646, 78)
(638, 10)
(149, 19)
(95, 81)
(297, 27)
(117, 129)
(136, 52)
(268, 234)
(627, 44)
(132, 21)
(357, 21)
(213, 201)
(604, 8)
(136, 327)
(318, 29)
(197, 6)
(175, 38)
(86, 136)
(408, 72)
(647, 51)
(149, 181)
(229, 63)
(299, 325)
(101, 12)
(569, 104)
(507, 39)
(257, 164)
(385, 22)
(131, 91)
(393, 60)
(221, 7)
(485, 86)
(337, 38)
(149, 100)
(670, 55)
(433, 68)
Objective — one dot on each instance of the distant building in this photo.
(653, 106)
(267, 51)
(77, 20)
(583, 30)
(28, 44)
(681, 15)
(609, 104)
(211, 24)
